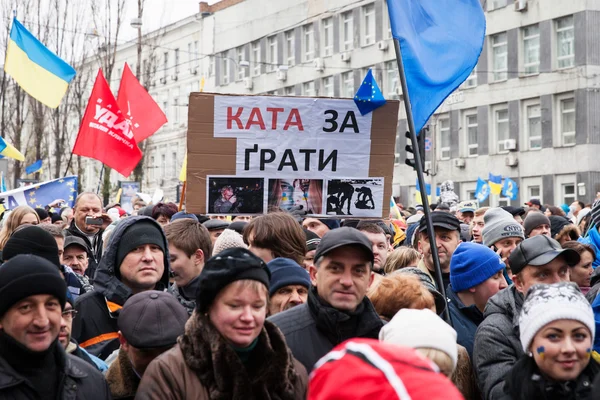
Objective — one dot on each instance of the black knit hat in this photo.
(312, 240)
(557, 223)
(27, 275)
(34, 240)
(229, 266)
(139, 234)
(42, 213)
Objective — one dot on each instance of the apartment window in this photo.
(308, 44)
(495, 4)
(290, 48)
(211, 65)
(502, 131)
(398, 149)
(472, 138)
(500, 58)
(348, 84)
(534, 192)
(533, 126)
(174, 165)
(196, 54)
(289, 91)
(368, 24)
(444, 138)
(387, 28)
(531, 50)
(308, 88)
(176, 61)
(568, 193)
(327, 25)
(567, 120)
(392, 81)
(176, 110)
(165, 64)
(565, 42)
(224, 69)
(152, 166)
(241, 70)
(166, 111)
(256, 59)
(163, 165)
(272, 54)
(347, 31)
(328, 86)
(471, 80)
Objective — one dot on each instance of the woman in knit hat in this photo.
(557, 330)
(228, 349)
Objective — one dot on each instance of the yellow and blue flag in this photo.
(39, 71)
(8, 150)
(33, 168)
(495, 182)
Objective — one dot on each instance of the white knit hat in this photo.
(228, 240)
(546, 303)
(421, 329)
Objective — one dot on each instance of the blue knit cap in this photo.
(472, 264)
(284, 272)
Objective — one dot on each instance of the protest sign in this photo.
(288, 151)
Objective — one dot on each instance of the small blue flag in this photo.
(369, 96)
(440, 41)
(35, 167)
(2, 183)
(482, 191)
(510, 189)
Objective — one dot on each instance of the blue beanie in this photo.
(472, 264)
(284, 272)
(331, 223)
(183, 214)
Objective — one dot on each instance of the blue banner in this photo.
(510, 189)
(482, 191)
(42, 194)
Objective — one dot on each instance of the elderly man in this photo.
(76, 254)
(289, 285)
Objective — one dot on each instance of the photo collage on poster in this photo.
(234, 195)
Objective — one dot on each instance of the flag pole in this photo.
(100, 180)
(68, 165)
(421, 178)
(182, 197)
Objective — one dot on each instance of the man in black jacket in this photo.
(337, 308)
(33, 364)
(136, 260)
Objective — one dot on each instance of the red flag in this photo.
(104, 134)
(139, 107)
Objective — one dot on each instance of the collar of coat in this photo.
(122, 380)
(269, 374)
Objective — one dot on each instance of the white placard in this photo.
(355, 197)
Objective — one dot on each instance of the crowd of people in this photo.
(96, 303)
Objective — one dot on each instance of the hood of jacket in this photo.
(507, 302)
(106, 282)
(593, 239)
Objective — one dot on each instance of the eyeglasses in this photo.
(69, 314)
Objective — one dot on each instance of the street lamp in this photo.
(136, 23)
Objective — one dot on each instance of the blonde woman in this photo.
(400, 258)
(21, 215)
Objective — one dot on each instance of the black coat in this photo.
(313, 329)
(465, 320)
(80, 381)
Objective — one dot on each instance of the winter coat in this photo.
(463, 376)
(204, 366)
(122, 379)
(595, 286)
(465, 320)
(313, 329)
(524, 382)
(76, 351)
(95, 325)
(94, 250)
(593, 239)
(80, 381)
(497, 344)
(189, 305)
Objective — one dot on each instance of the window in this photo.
(151, 167)
(308, 88)
(398, 149)
(534, 192)
(368, 24)
(176, 111)
(190, 54)
(163, 165)
(348, 84)
(533, 126)
(196, 55)
(471, 80)
(165, 64)
(290, 48)
(444, 138)
(308, 44)
(503, 202)
(565, 46)
(328, 86)
(347, 31)
(387, 28)
(256, 59)
(531, 50)
(392, 80)
(327, 27)
(472, 137)
(241, 70)
(500, 58)
(495, 4)
(211, 65)
(567, 120)
(224, 69)
(174, 164)
(568, 193)
(166, 111)
(176, 61)
(289, 91)
(501, 124)
(272, 54)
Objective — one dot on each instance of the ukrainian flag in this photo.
(40, 72)
(8, 150)
(495, 182)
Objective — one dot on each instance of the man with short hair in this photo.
(536, 223)
(337, 308)
(466, 211)
(379, 241)
(136, 260)
(289, 285)
(33, 364)
(497, 346)
(475, 276)
(215, 228)
(149, 324)
(189, 248)
(88, 205)
(477, 225)
(447, 236)
(320, 226)
(501, 232)
(535, 203)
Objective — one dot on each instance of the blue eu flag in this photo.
(369, 96)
